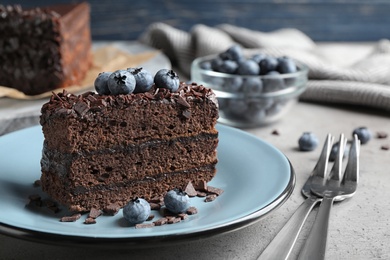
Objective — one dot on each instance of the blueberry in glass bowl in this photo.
(251, 91)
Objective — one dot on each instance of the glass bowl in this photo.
(251, 101)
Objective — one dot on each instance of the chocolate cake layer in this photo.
(104, 149)
(43, 49)
(140, 161)
(93, 122)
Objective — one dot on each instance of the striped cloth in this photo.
(365, 82)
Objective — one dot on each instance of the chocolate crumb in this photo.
(155, 206)
(214, 190)
(201, 194)
(381, 135)
(173, 220)
(160, 222)
(190, 190)
(385, 147)
(90, 221)
(182, 216)
(111, 209)
(151, 216)
(94, 213)
(210, 197)
(144, 225)
(275, 132)
(72, 218)
(192, 211)
(201, 186)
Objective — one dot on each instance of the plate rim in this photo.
(157, 240)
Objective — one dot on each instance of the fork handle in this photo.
(281, 246)
(315, 245)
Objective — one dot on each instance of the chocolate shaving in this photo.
(151, 216)
(381, 135)
(160, 222)
(90, 221)
(186, 113)
(201, 186)
(111, 209)
(72, 218)
(190, 190)
(214, 190)
(192, 211)
(144, 225)
(183, 102)
(385, 147)
(81, 108)
(94, 213)
(210, 197)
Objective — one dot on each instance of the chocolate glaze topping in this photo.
(67, 104)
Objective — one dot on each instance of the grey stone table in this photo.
(359, 227)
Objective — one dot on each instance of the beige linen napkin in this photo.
(365, 82)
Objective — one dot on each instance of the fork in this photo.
(331, 187)
(280, 247)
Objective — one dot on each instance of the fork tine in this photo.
(322, 164)
(336, 172)
(352, 170)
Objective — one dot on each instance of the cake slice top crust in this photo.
(91, 122)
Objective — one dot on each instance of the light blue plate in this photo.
(255, 176)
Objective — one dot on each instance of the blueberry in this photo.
(335, 150)
(228, 66)
(258, 57)
(168, 79)
(363, 134)
(286, 65)
(143, 79)
(233, 84)
(121, 82)
(248, 67)
(308, 141)
(252, 85)
(233, 53)
(268, 64)
(136, 211)
(273, 83)
(177, 201)
(216, 64)
(101, 83)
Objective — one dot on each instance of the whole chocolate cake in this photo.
(43, 49)
(104, 149)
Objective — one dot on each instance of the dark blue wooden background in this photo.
(333, 20)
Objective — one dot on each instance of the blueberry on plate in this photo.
(136, 211)
(248, 67)
(143, 79)
(363, 134)
(166, 78)
(101, 83)
(177, 201)
(121, 82)
(307, 142)
(286, 65)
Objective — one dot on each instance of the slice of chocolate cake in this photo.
(43, 49)
(103, 149)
